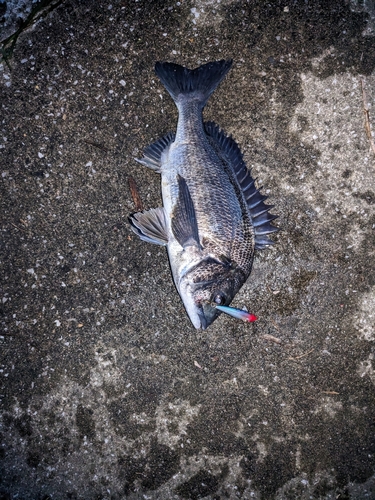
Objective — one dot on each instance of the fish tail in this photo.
(195, 84)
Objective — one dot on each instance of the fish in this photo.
(213, 217)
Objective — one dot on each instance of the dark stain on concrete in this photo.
(151, 471)
(368, 196)
(274, 471)
(199, 486)
(85, 423)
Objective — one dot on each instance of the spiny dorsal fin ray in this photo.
(150, 226)
(184, 221)
(152, 154)
(257, 209)
(263, 219)
(262, 241)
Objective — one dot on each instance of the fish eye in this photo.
(219, 299)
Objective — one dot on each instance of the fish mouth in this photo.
(207, 314)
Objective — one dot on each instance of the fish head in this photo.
(209, 283)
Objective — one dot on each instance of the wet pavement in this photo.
(107, 391)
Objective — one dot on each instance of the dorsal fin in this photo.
(152, 154)
(228, 149)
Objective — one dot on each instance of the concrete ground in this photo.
(107, 391)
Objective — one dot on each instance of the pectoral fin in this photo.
(150, 226)
(184, 220)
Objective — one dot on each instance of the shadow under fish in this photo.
(213, 216)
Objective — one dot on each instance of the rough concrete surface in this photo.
(107, 391)
(12, 14)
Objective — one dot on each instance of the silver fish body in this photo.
(213, 217)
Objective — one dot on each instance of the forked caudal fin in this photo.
(197, 84)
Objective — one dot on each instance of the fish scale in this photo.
(209, 188)
(213, 217)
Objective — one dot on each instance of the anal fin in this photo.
(150, 226)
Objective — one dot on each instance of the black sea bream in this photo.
(213, 217)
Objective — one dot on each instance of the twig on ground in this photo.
(367, 117)
(266, 336)
(19, 228)
(96, 145)
(275, 325)
(301, 355)
(135, 194)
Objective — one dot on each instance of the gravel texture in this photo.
(13, 13)
(107, 391)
